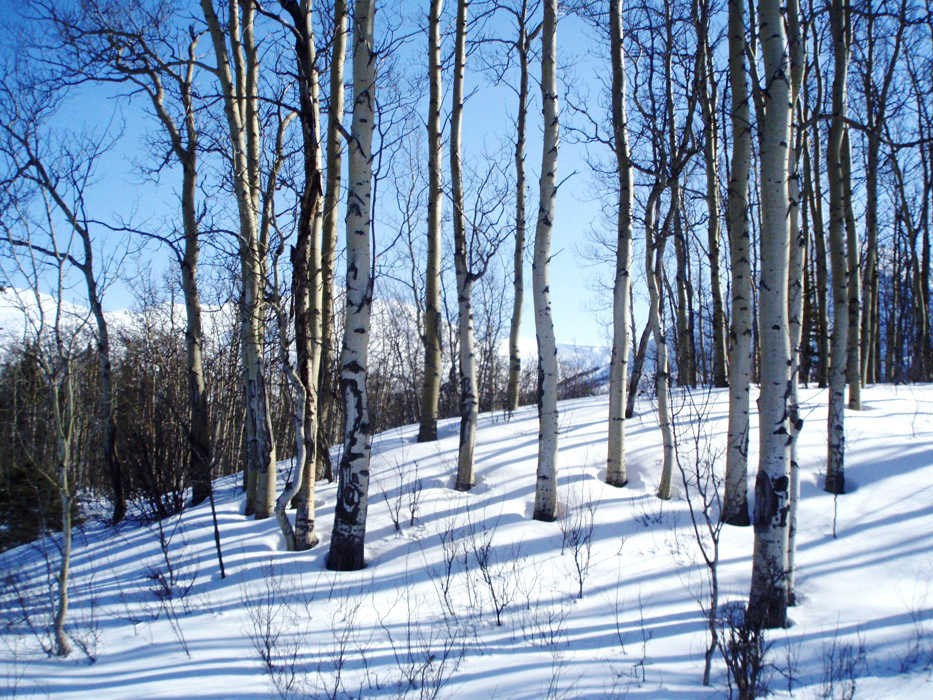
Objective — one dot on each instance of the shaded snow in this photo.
(637, 631)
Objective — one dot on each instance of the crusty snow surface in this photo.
(864, 621)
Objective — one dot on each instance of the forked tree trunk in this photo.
(767, 602)
(306, 282)
(240, 96)
(735, 500)
(637, 364)
(835, 458)
(297, 395)
(616, 473)
(430, 393)
(654, 260)
(346, 546)
(546, 488)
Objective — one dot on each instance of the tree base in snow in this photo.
(836, 483)
(545, 516)
(737, 518)
(617, 481)
(345, 554)
(309, 543)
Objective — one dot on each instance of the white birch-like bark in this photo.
(297, 396)
(705, 80)
(523, 47)
(326, 391)
(546, 487)
(835, 458)
(735, 499)
(654, 260)
(346, 546)
(854, 285)
(430, 393)
(795, 290)
(61, 386)
(466, 358)
(616, 473)
(240, 96)
(767, 605)
(306, 270)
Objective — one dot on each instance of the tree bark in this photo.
(518, 256)
(427, 431)
(795, 305)
(616, 473)
(466, 357)
(654, 260)
(767, 604)
(835, 460)
(854, 289)
(546, 489)
(637, 364)
(346, 546)
(240, 96)
(306, 265)
(707, 97)
(735, 500)
(326, 391)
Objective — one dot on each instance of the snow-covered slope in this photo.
(422, 616)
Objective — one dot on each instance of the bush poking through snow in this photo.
(744, 649)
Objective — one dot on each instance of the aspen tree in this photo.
(346, 546)
(523, 47)
(466, 362)
(835, 458)
(546, 488)
(239, 88)
(306, 270)
(853, 284)
(427, 430)
(767, 604)
(735, 500)
(326, 393)
(797, 256)
(705, 80)
(616, 474)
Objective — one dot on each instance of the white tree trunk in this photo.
(835, 458)
(854, 287)
(616, 473)
(767, 605)
(306, 278)
(735, 500)
(518, 256)
(795, 290)
(467, 360)
(326, 393)
(346, 547)
(240, 95)
(546, 489)
(654, 259)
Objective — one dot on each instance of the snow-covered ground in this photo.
(421, 618)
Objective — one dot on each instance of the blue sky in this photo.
(122, 193)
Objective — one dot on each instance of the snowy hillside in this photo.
(470, 598)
